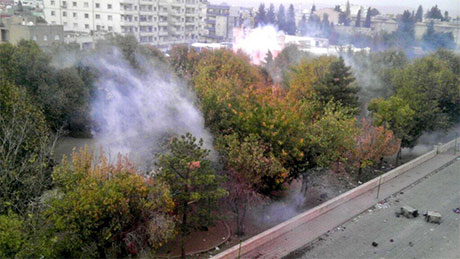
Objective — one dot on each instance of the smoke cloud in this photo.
(135, 113)
(258, 42)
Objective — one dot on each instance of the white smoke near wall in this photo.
(135, 113)
(258, 42)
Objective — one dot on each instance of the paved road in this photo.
(399, 237)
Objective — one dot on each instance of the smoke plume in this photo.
(135, 113)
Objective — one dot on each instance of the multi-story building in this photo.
(16, 28)
(157, 22)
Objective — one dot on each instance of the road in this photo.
(399, 237)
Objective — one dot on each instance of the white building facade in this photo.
(156, 22)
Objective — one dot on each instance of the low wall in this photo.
(278, 230)
(448, 145)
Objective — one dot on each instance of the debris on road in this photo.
(409, 212)
(391, 240)
(411, 244)
(382, 205)
(374, 244)
(433, 217)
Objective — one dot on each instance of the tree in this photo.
(446, 16)
(434, 13)
(347, 14)
(303, 25)
(26, 148)
(241, 197)
(194, 184)
(367, 22)
(260, 19)
(106, 210)
(419, 14)
(406, 30)
(271, 19)
(372, 145)
(395, 114)
(358, 19)
(324, 79)
(184, 59)
(281, 18)
(290, 23)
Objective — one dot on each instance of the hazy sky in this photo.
(452, 6)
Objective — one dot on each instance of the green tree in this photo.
(281, 18)
(271, 19)
(12, 236)
(290, 21)
(367, 21)
(358, 19)
(194, 183)
(419, 14)
(434, 13)
(26, 148)
(395, 114)
(260, 19)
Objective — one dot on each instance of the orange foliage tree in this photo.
(373, 143)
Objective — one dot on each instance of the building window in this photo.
(64, 3)
(64, 14)
(110, 28)
(52, 2)
(74, 4)
(97, 5)
(75, 25)
(86, 15)
(45, 38)
(86, 26)
(53, 13)
(98, 16)
(57, 37)
(98, 27)
(74, 15)
(86, 5)
(109, 17)
(109, 6)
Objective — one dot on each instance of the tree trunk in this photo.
(398, 157)
(242, 221)
(360, 171)
(381, 163)
(183, 230)
(238, 230)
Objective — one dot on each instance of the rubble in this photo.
(374, 244)
(409, 212)
(433, 217)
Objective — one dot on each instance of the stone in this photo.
(409, 212)
(433, 217)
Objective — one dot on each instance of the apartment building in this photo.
(157, 22)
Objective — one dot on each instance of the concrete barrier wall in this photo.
(289, 225)
(448, 145)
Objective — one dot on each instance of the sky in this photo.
(452, 6)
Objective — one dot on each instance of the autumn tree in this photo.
(194, 183)
(184, 59)
(104, 209)
(372, 145)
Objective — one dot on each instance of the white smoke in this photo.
(257, 42)
(135, 113)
